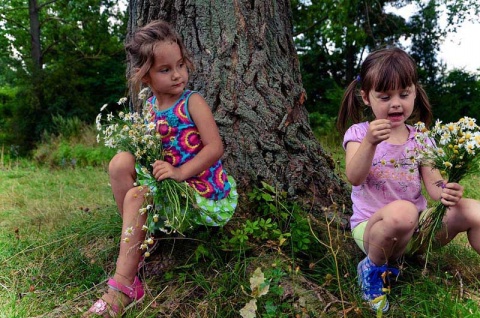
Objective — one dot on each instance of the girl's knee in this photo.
(402, 215)
(465, 213)
(469, 205)
(122, 162)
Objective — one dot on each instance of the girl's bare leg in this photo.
(389, 230)
(462, 217)
(122, 177)
(131, 238)
(129, 200)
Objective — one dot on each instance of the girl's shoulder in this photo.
(357, 130)
(355, 133)
(195, 102)
(193, 95)
(363, 125)
(412, 131)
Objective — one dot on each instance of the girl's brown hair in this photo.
(140, 50)
(383, 70)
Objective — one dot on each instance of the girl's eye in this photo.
(164, 70)
(384, 97)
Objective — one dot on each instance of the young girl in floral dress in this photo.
(192, 149)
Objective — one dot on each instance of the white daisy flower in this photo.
(129, 231)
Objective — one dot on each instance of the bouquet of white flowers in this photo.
(168, 201)
(451, 148)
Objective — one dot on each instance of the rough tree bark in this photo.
(248, 71)
(36, 50)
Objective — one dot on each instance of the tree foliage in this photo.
(79, 66)
(332, 39)
(456, 94)
(426, 37)
(81, 62)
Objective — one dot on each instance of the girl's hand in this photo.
(451, 194)
(378, 131)
(163, 170)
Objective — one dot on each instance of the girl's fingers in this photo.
(453, 192)
(450, 198)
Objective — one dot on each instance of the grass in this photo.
(59, 236)
(54, 240)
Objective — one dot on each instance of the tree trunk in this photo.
(248, 71)
(37, 74)
(35, 35)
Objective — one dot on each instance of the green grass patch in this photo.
(54, 241)
(59, 236)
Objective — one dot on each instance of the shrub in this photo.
(72, 145)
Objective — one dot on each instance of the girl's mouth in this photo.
(395, 116)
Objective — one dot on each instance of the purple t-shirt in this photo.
(394, 175)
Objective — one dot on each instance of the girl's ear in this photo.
(364, 97)
(146, 80)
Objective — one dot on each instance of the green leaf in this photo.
(267, 197)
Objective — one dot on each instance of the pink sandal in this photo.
(135, 292)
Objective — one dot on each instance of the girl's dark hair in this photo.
(140, 50)
(383, 70)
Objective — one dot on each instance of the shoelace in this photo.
(383, 272)
(388, 271)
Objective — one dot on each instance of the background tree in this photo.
(248, 71)
(456, 94)
(426, 37)
(63, 58)
(332, 39)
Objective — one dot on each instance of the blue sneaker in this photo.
(375, 283)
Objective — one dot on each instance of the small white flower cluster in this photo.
(130, 132)
(454, 143)
(147, 243)
(451, 148)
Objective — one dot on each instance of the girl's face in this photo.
(168, 75)
(395, 105)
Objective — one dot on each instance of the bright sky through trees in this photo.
(462, 49)
(459, 50)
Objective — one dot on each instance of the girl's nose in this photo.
(395, 102)
(175, 73)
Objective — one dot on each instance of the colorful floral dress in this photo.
(215, 192)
